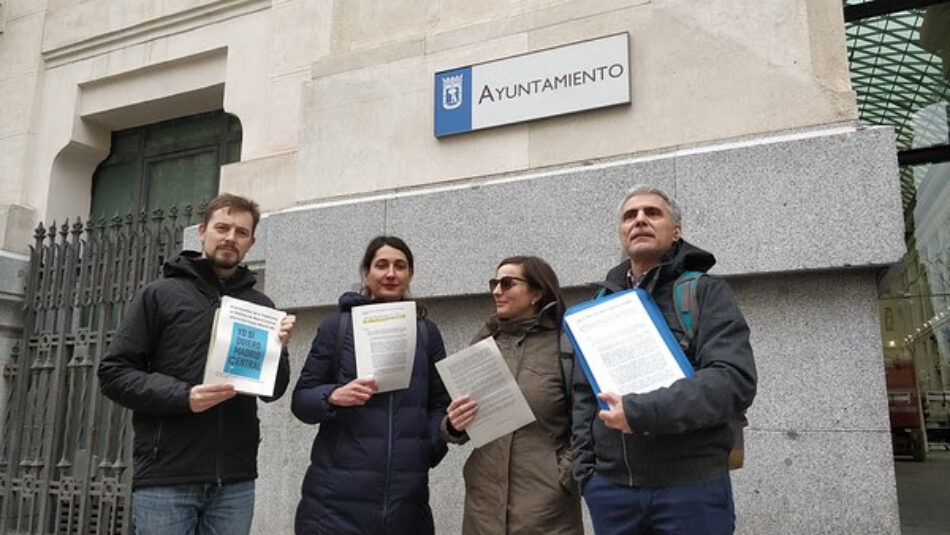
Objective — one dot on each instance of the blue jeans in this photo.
(697, 508)
(194, 509)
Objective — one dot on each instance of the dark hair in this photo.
(235, 203)
(376, 244)
(540, 276)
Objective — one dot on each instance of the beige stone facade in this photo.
(743, 109)
(335, 97)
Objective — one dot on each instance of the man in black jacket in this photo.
(658, 462)
(195, 445)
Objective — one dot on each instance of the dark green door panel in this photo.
(158, 166)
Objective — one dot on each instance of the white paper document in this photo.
(384, 335)
(625, 345)
(244, 349)
(479, 371)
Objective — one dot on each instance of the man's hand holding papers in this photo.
(286, 329)
(203, 397)
(614, 418)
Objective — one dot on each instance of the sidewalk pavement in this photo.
(923, 494)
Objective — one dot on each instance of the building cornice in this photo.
(147, 30)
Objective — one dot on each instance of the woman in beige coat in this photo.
(521, 483)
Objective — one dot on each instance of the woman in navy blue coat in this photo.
(370, 461)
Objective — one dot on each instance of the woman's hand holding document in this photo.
(245, 346)
(480, 372)
(624, 345)
(384, 336)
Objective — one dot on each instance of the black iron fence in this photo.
(65, 456)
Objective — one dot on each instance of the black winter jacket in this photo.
(369, 465)
(680, 433)
(157, 355)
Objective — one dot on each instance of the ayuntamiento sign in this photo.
(566, 79)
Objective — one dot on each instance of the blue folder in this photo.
(658, 321)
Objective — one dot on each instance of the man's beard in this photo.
(229, 259)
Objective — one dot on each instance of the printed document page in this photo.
(479, 371)
(384, 335)
(622, 346)
(244, 349)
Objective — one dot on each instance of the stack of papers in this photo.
(479, 371)
(384, 336)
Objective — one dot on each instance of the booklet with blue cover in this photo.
(624, 345)
(244, 349)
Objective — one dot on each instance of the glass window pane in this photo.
(195, 131)
(234, 152)
(182, 179)
(915, 303)
(113, 190)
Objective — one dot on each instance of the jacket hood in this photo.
(353, 299)
(544, 320)
(683, 257)
(190, 265)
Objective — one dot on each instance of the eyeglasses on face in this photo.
(506, 283)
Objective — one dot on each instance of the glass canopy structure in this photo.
(899, 53)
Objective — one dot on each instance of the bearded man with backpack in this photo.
(658, 462)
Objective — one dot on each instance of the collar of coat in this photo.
(190, 265)
(682, 257)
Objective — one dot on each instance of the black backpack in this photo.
(686, 304)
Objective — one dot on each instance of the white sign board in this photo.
(570, 78)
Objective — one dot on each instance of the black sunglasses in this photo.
(506, 283)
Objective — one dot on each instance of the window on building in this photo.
(899, 53)
(163, 165)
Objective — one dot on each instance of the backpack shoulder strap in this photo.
(422, 331)
(606, 287)
(686, 304)
(344, 326)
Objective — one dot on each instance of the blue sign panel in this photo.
(246, 354)
(453, 101)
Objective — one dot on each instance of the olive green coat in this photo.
(521, 483)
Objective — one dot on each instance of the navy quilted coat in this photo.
(369, 465)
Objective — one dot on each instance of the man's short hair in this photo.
(233, 203)
(643, 189)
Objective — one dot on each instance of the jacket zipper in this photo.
(158, 438)
(217, 449)
(389, 463)
(626, 462)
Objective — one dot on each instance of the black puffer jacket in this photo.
(680, 433)
(369, 465)
(157, 355)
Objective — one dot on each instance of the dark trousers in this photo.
(697, 508)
